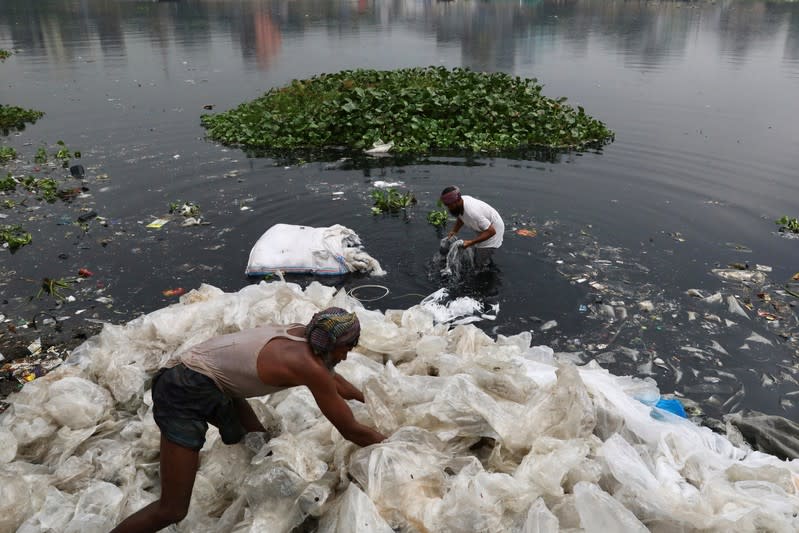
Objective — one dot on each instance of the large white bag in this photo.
(305, 250)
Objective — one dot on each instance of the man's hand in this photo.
(466, 244)
(451, 234)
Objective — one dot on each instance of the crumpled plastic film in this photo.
(354, 513)
(484, 434)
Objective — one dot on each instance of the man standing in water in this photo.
(478, 216)
(210, 384)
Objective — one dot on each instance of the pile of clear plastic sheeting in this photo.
(485, 435)
(460, 310)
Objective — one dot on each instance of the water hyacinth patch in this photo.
(15, 118)
(14, 236)
(7, 154)
(8, 183)
(391, 200)
(418, 109)
(44, 188)
(789, 224)
(438, 217)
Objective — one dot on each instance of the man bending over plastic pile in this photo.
(210, 382)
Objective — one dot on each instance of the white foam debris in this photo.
(734, 307)
(742, 276)
(718, 347)
(549, 324)
(382, 184)
(755, 337)
(503, 437)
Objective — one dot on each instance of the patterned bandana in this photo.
(451, 197)
(332, 327)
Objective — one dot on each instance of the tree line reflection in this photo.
(491, 35)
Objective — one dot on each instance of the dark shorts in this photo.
(185, 402)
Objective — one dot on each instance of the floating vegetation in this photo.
(64, 154)
(8, 183)
(41, 156)
(7, 154)
(44, 188)
(12, 117)
(186, 209)
(391, 200)
(438, 217)
(53, 287)
(418, 110)
(788, 224)
(15, 118)
(14, 236)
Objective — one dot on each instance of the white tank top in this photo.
(232, 360)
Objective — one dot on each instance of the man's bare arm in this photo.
(456, 228)
(489, 232)
(347, 390)
(324, 390)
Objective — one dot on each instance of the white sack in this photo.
(293, 249)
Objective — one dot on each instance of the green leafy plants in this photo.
(438, 217)
(41, 156)
(15, 118)
(14, 236)
(7, 154)
(418, 109)
(47, 189)
(390, 200)
(44, 188)
(788, 224)
(53, 287)
(8, 183)
(64, 154)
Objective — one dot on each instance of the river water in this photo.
(702, 97)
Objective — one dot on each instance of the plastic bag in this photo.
(600, 513)
(354, 513)
(77, 403)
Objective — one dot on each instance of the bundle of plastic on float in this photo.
(485, 435)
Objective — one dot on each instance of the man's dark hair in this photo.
(448, 189)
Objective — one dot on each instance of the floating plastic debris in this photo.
(548, 325)
(754, 337)
(731, 274)
(381, 184)
(157, 223)
(379, 147)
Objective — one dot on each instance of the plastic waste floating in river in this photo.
(485, 434)
(157, 223)
(379, 147)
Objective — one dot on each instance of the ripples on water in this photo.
(702, 98)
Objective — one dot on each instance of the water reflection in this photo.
(490, 35)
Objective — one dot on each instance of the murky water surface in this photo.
(702, 97)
